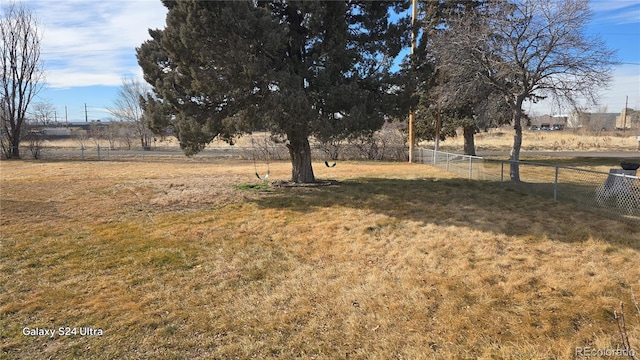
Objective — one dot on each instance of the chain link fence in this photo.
(616, 193)
(388, 144)
(263, 152)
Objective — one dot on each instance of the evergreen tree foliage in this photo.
(296, 68)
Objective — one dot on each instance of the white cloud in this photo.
(616, 11)
(93, 42)
(628, 16)
(609, 5)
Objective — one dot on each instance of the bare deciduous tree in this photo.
(43, 112)
(22, 72)
(128, 108)
(531, 49)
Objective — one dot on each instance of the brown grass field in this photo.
(501, 139)
(495, 139)
(197, 259)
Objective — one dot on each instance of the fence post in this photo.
(501, 172)
(555, 185)
(470, 168)
(447, 167)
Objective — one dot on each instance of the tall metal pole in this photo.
(412, 135)
(624, 115)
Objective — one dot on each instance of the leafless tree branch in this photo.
(128, 108)
(22, 72)
(530, 50)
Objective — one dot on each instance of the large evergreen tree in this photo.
(297, 68)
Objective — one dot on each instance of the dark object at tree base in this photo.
(318, 183)
(326, 163)
(630, 166)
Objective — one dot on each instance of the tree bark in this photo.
(469, 140)
(514, 157)
(15, 149)
(14, 139)
(300, 152)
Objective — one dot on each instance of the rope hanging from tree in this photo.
(255, 165)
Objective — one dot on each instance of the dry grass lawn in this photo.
(567, 140)
(500, 139)
(195, 259)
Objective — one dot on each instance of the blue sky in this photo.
(89, 46)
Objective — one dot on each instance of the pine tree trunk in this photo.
(300, 152)
(469, 141)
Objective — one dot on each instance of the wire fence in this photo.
(616, 193)
(263, 152)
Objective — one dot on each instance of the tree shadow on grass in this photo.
(481, 205)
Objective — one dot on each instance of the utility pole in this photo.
(438, 126)
(436, 147)
(66, 117)
(412, 135)
(624, 115)
(86, 115)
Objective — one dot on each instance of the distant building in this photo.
(66, 129)
(592, 121)
(628, 119)
(549, 122)
(56, 131)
